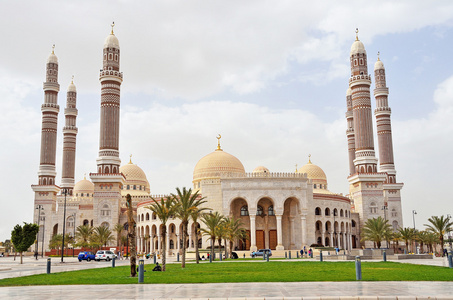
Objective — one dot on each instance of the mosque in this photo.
(280, 211)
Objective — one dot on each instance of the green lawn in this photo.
(274, 271)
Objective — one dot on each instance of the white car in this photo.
(104, 254)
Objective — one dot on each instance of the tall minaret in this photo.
(111, 79)
(392, 189)
(108, 181)
(365, 183)
(46, 191)
(350, 132)
(69, 139)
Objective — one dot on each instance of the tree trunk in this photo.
(131, 234)
(231, 249)
(184, 243)
(21, 261)
(220, 247)
(225, 243)
(164, 247)
(212, 246)
(197, 254)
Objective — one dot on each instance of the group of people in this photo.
(304, 252)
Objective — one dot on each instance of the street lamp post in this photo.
(73, 236)
(385, 208)
(413, 217)
(449, 233)
(334, 229)
(42, 242)
(64, 224)
(39, 208)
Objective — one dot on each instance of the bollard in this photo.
(320, 255)
(286, 255)
(264, 256)
(177, 257)
(220, 256)
(155, 258)
(358, 268)
(244, 255)
(297, 254)
(450, 259)
(113, 262)
(385, 255)
(289, 254)
(267, 257)
(141, 271)
(48, 265)
(210, 258)
(405, 252)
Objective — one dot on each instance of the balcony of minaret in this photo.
(53, 86)
(50, 107)
(358, 79)
(381, 91)
(70, 112)
(382, 110)
(106, 73)
(70, 129)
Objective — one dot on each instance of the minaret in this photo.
(365, 183)
(350, 132)
(392, 189)
(108, 182)
(111, 79)
(69, 139)
(46, 191)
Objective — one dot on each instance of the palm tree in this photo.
(396, 237)
(164, 210)
(431, 240)
(55, 242)
(212, 221)
(195, 215)
(374, 230)
(186, 203)
(83, 235)
(440, 226)
(220, 234)
(118, 228)
(103, 235)
(234, 231)
(407, 234)
(424, 238)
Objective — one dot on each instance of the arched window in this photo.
(318, 226)
(70, 222)
(394, 213)
(335, 212)
(373, 208)
(244, 211)
(154, 216)
(86, 222)
(314, 186)
(128, 187)
(105, 224)
(317, 211)
(135, 187)
(395, 225)
(341, 213)
(270, 211)
(147, 216)
(172, 244)
(259, 210)
(105, 210)
(353, 223)
(327, 212)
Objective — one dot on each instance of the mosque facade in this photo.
(279, 210)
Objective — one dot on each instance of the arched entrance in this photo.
(239, 210)
(291, 225)
(266, 225)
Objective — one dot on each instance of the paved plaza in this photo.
(277, 290)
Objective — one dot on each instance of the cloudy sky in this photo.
(269, 76)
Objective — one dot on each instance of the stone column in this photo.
(253, 233)
(303, 222)
(279, 233)
(323, 238)
(167, 242)
(177, 242)
(344, 240)
(189, 233)
(292, 236)
(331, 239)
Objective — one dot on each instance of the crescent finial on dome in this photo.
(218, 142)
(53, 49)
(113, 24)
(296, 168)
(309, 160)
(356, 34)
(130, 159)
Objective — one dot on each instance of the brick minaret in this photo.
(46, 191)
(392, 189)
(69, 139)
(108, 182)
(365, 183)
(350, 132)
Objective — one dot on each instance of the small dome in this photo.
(313, 172)
(133, 172)
(357, 47)
(84, 185)
(218, 164)
(261, 169)
(379, 65)
(52, 58)
(111, 41)
(348, 92)
(72, 87)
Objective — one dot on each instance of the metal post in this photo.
(244, 255)
(155, 257)
(297, 254)
(320, 255)
(141, 271)
(42, 244)
(358, 268)
(113, 262)
(37, 235)
(73, 225)
(48, 265)
(289, 254)
(264, 256)
(385, 255)
(267, 257)
(286, 255)
(177, 257)
(450, 259)
(210, 258)
(220, 256)
(64, 224)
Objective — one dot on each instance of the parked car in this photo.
(86, 255)
(261, 252)
(104, 255)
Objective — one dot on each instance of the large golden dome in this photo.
(84, 186)
(313, 172)
(218, 164)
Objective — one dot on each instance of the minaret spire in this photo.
(69, 138)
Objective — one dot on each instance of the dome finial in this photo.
(113, 24)
(85, 176)
(296, 168)
(309, 160)
(72, 79)
(356, 34)
(218, 142)
(378, 53)
(53, 49)
(130, 159)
